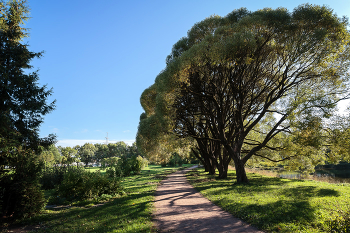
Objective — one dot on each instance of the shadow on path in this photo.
(180, 208)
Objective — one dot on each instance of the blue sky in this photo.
(101, 55)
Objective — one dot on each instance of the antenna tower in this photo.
(107, 139)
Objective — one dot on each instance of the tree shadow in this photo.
(119, 214)
(292, 204)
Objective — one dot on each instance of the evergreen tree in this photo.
(23, 103)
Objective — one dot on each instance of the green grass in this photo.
(275, 204)
(128, 213)
(93, 169)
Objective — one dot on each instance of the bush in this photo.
(127, 166)
(137, 163)
(53, 176)
(81, 185)
(124, 166)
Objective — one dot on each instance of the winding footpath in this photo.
(180, 208)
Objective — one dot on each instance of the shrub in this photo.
(137, 163)
(111, 172)
(124, 166)
(105, 197)
(127, 166)
(53, 176)
(81, 185)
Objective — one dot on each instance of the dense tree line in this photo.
(250, 86)
(88, 154)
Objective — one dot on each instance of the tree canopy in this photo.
(237, 83)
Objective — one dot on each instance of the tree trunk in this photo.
(222, 172)
(240, 172)
(224, 160)
(212, 169)
(234, 153)
(209, 162)
(211, 166)
(196, 154)
(223, 168)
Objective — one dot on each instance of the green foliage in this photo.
(50, 156)
(111, 150)
(175, 160)
(137, 163)
(235, 84)
(20, 193)
(126, 166)
(87, 153)
(23, 107)
(101, 152)
(23, 102)
(69, 155)
(109, 162)
(52, 177)
(24, 199)
(79, 184)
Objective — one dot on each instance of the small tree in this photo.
(50, 156)
(87, 153)
(69, 155)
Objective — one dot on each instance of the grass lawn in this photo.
(94, 169)
(128, 213)
(275, 204)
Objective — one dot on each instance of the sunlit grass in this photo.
(94, 169)
(275, 204)
(128, 213)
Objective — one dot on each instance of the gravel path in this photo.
(180, 208)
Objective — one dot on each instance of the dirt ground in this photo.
(180, 208)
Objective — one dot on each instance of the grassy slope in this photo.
(275, 204)
(129, 213)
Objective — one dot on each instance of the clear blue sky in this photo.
(101, 55)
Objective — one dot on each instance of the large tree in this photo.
(23, 103)
(242, 80)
